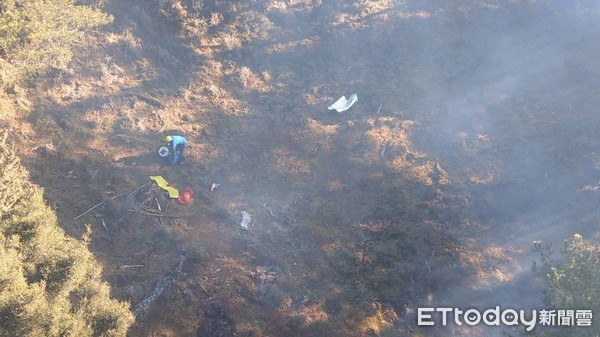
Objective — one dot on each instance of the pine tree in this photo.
(50, 284)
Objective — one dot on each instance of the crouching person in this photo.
(176, 145)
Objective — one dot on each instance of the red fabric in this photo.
(186, 196)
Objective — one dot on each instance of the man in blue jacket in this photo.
(176, 145)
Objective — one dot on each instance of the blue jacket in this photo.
(176, 141)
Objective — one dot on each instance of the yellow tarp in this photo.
(162, 183)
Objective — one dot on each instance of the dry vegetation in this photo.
(357, 219)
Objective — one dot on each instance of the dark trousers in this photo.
(178, 153)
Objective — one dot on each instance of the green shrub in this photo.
(50, 284)
(36, 35)
(574, 283)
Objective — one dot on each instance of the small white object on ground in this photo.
(163, 151)
(246, 220)
(344, 104)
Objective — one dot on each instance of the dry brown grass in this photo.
(390, 134)
(390, 131)
(421, 172)
(126, 38)
(319, 129)
(289, 163)
(482, 174)
(208, 89)
(369, 13)
(382, 319)
(246, 26)
(250, 80)
(491, 265)
(309, 42)
(312, 313)
(291, 6)
(371, 7)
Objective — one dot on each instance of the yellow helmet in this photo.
(168, 139)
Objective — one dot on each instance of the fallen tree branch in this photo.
(267, 208)
(153, 214)
(106, 229)
(182, 259)
(203, 289)
(112, 198)
(89, 210)
(159, 288)
(128, 192)
(120, 195)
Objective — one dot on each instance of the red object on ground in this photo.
(186, 196)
